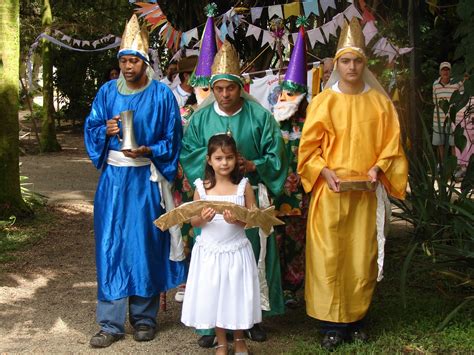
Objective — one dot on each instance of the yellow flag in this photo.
(395, 96)
(292, 9)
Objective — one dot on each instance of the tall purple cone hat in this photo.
(296, 74)
(207, 52)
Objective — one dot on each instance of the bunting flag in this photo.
(267, 38)
(339, 19)
(310, 7)
(369, 31)
(275, 10)
(253, 31)
(256, 13)
(329, 28)
(351, 12)
(291, 9)
(314, 36)
(325, 4)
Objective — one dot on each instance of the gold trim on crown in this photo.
(226, 60)
(351, 36)
(135, 38)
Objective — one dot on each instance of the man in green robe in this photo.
(260, 144)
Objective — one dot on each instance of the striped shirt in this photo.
(443, 92)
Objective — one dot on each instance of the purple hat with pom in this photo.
(296, 74)
(207, 52)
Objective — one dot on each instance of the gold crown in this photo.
(351, 36)
(226, 60)
(135, 38)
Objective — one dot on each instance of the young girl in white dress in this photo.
(222, 290)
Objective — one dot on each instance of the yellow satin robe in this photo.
(348, 134)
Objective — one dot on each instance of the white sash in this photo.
(117, 158)
(383, 214)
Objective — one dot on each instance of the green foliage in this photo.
(16, 235)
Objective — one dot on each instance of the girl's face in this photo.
(222, 161)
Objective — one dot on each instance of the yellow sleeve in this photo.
(392, 159)
(313, 138)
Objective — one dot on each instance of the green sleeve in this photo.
(193, 152)
(272, 167)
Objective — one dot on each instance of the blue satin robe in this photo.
(132, 255)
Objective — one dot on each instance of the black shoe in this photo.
(207, 341)
(332, 339)
(358, 335)
(256, 333)
(144, 332)
(103, 339)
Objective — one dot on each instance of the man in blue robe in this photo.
(132, 255)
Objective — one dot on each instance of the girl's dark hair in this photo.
(225, 142)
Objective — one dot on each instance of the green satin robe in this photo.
(258, 139)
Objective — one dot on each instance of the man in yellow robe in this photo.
(351, 131)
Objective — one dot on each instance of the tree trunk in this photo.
(49, 142)
(414, 113)
(11, 202)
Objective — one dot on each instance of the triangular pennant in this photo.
(310, 7)
(292, 9)
(76, 42)
(351, 12)
(329, 28)
(66, 38)
(255, 13)
(275, 10)
(86, 43)
(223, 31)
(369, 31)
(295, 36)
(253, 31)
(230, 29)
(193, 33)
(405, 50)
(267, 38)
(327, 3)
(95, 43)
(339, 19)
(314, 36)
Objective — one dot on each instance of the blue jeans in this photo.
(111, 314)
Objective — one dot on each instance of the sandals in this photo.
(241, 352)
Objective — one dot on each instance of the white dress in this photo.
(222, 289)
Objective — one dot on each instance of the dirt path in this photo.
(48, 295)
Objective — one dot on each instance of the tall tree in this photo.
(11, 202)
(48, 142)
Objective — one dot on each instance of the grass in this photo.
(394, 329)
(21, 235)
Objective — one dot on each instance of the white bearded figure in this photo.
(287, 105)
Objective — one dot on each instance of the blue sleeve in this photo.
(95, 138)
(165, 152)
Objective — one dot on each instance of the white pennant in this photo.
(329, 28)
(193, 33)
(351, 12)
(339, 19)
(314, 36)
(253, 31)
(275, 10)
(66, 38)
(327, 3)
(255, 13)
(76, 42)
(86, 43)
(58, 33)
(369, 31)
(295, 37)
(95, 43)
(230, 29)
(405, 50)
(267, 38)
